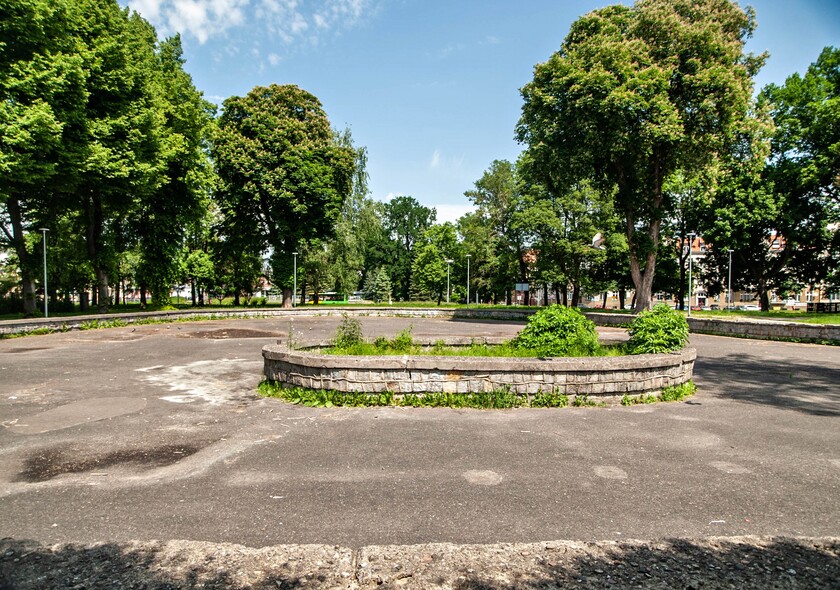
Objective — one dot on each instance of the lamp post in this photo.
(448, 267)
(294, 289)
(44, 231)
(690, 244)
(468, 279)
(729, 283)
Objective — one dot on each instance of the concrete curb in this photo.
(744, 328)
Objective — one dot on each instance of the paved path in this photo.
(154, 432)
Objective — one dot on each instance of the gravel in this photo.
(709, 563)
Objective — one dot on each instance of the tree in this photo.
(282, 177)
(805, 163)
(378, 286)
(778, 223)
(41, 88)
(357, 226)
(182, 197)
(498, 201)
(430, 267)
(635, 94)
(405, 222)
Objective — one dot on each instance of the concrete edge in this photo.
(745, 328)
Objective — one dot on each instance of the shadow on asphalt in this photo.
(812, 389)
(781, 563)
(785, 563)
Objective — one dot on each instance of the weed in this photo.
(679, 392)
(583, 401)
(348, 333)
(403, 342)
(550, 400)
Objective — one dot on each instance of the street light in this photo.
(468, 279)
(690, 244)
(448, 267)
(44, 231)
(294, 291)
(729, 283)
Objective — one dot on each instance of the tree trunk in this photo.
(143, 297)
(622, 296)
(604, 301)
(18, 240)
(103, 292)
(545, 294)
(193, 292)
(287, 297)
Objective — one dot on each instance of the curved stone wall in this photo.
(592, 376)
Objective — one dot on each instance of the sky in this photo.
(429, 87)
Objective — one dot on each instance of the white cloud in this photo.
(450, 164)
(289, 21)
(201, 19)
(451, 212)
(274, 59)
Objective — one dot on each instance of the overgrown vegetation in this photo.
(487, 400)
(559, 331)
(659, 330)
(674, 393)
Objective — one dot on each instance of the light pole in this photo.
(729, 283)
(468, 279)
(44, 231)
(448, 267)
(690, 244)
(294, 289)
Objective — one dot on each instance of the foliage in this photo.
(679, 392)
(403, 341)
(550, 400)
(559, 331)
(660, 329)
(498, 243)
(283, 179)
(378, 286)
(349, 332)
(584, 401)
(405, 222)
(430, 269)
(633, 95)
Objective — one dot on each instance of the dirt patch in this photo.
(227, 333)
(710, 564)
(51, 463)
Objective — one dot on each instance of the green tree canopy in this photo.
(634, 94)
(282, 177)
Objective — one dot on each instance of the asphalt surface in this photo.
(155, 432)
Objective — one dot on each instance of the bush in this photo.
(559, 331)
(659, 330)
(348, 333)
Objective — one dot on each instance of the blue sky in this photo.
(430, 87)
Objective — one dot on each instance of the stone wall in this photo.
(594, 376)
(742, 327)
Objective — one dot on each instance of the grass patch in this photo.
(674, 393)
(487, 400)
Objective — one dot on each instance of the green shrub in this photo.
(559, 331)
(550, 400)
(675, 393)
(659, 330)
(348, 333)
(403, 342)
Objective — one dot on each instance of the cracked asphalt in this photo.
(156, 432)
